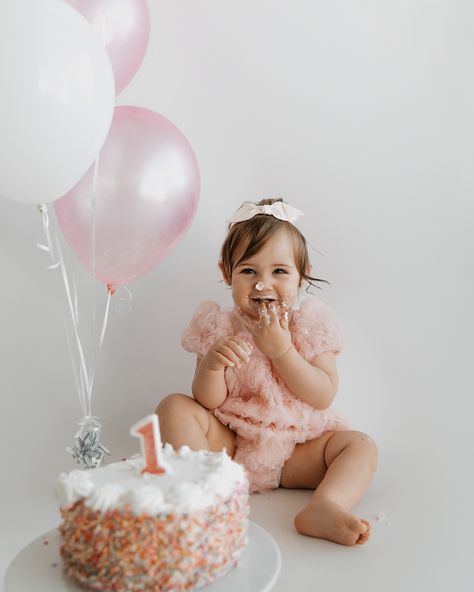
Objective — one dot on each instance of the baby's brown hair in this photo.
(246, 238)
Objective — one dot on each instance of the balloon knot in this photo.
(110, 289)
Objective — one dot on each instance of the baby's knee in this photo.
(361, 437)
(174, 403)
(340, 440)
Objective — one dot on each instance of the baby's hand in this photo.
(271, 334)
(227, 351)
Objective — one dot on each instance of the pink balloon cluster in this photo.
(128, 177)
(136, 202)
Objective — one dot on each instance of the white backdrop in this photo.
(360, 114)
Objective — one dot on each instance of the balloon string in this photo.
(83, 367)
(83, 382)
(104, 324)
(76, 302)
(78, 382)
(93, 363)
(57, 261)
(94, 360)
(101, 341)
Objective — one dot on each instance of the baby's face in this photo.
(268, 276)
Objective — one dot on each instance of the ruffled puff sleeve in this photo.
(316, 329)
(208, 325)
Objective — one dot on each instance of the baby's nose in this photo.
(264, 283)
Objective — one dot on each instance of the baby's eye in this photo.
(279, 270)
(247, 270)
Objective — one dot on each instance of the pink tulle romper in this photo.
(267, 418)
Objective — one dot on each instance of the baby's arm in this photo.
(315, 383)
(209, 387)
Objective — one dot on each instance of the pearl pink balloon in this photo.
(123, 26)
(146, 194)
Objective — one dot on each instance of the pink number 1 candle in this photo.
(148, 430)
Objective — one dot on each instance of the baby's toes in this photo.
(364, 537)
(356, 524)
(356, 527)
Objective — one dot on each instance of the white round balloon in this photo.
(56, 100)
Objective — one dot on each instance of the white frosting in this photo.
(70, 488)
(196, 479)
(105, 497)
(147, 499)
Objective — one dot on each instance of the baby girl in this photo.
(266, 377)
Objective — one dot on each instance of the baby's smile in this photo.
(265, 300)
(262, 306)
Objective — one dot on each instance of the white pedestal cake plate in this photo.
(39, 567)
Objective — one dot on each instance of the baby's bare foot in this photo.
(326, 520)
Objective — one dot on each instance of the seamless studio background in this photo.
(360, 114)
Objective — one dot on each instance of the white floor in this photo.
(424, 543)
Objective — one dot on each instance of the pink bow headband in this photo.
(277, 209)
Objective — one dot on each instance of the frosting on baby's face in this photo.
(269, 278)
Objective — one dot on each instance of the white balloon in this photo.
(56, 98)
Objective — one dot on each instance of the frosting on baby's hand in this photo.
(270, 332)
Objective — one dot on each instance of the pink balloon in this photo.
(124, 28)
(146, 194)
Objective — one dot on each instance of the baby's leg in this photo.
(183, 421)
(340, 465)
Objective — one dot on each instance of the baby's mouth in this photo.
(267, 300)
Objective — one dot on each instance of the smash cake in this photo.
(127, 531)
